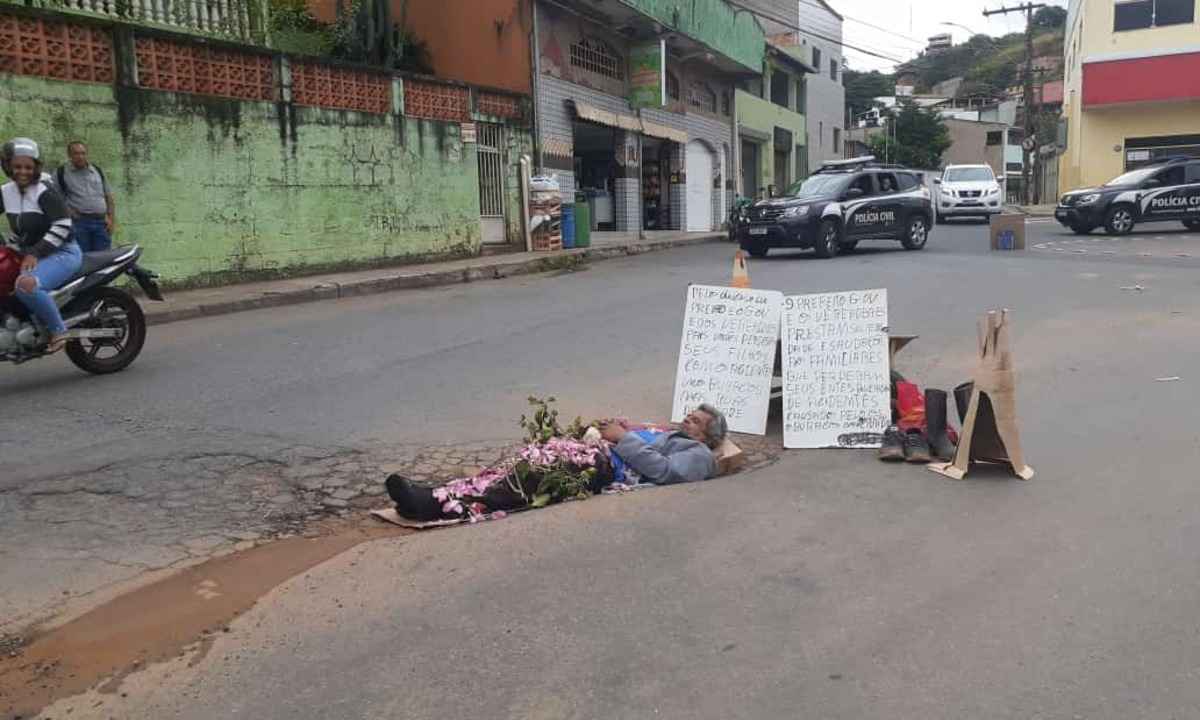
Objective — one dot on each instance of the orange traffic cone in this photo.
(741, 277)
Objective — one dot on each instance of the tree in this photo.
(1050, 17)
(862, 89)
(914, 137)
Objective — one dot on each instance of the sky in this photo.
(902, 27)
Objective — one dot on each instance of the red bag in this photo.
(10, 268)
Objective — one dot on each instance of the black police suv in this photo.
(844, 202)
(1165, 190)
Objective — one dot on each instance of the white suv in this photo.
(968, 191)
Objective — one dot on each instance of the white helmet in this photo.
(21, 147)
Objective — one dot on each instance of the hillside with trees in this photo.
(988, 65)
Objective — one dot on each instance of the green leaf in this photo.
(540, 501)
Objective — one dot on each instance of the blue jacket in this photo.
(668, 459)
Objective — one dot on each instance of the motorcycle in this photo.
(739, 216)
(106, 327)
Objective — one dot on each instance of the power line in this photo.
(793, 26)
(902, 36)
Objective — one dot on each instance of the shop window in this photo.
(995, 137)
(596, 56)
(702, 97)
(672, 86)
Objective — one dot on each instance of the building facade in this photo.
(811, 31)
(1131, 86)
(826, 93)
(772, 136)
(640, 155)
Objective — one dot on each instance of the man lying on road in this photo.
(627, 456)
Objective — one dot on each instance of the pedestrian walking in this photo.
(89, 199)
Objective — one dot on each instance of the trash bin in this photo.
(568, 226)
(583, 222)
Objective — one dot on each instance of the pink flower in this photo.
(499, 515)
(452, 506)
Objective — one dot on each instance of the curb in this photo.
(1018, 210)
(408, 279)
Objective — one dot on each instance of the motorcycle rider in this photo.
(37, 215)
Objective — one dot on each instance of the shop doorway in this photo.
(700, 168)
(596, 171)
(656, 183)
(750, 169)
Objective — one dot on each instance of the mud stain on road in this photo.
(159, 621)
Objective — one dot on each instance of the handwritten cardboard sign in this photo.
(836, 374)
(727, 354)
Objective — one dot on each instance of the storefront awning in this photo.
(591, 113)
(662, 131)
(583, 111)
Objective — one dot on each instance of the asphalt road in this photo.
(828, 586)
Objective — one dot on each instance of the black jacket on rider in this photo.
(38, 218)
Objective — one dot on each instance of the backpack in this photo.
(61, 178)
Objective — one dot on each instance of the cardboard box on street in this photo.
(1008, 232)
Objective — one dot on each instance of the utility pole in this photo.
(1028, 9)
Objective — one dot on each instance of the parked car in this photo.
(968, 191)
(840, 205)
(1166, 190)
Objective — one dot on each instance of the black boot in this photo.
(413, 501)
(962, 398)
(936, 425)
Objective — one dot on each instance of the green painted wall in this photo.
(762, 117)
(219, 190)
(736, 35)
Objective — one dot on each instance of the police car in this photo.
(1166, 190)
(838, 206)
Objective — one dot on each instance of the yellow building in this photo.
(1132, 86)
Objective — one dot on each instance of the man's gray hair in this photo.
(717, 428)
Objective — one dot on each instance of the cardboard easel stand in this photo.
(989, 432)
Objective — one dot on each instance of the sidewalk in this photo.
(207, 302)
(1031, 210)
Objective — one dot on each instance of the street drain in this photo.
(161, 620)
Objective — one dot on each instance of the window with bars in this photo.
(596, 56)
(702, 97)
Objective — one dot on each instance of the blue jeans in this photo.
(51, 273)
(92, 235)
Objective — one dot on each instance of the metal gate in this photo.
(491, 182)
